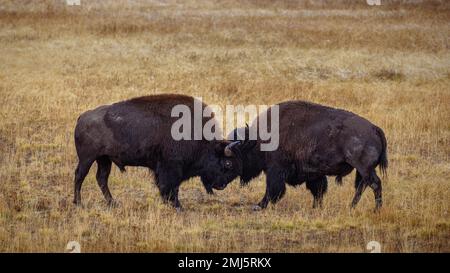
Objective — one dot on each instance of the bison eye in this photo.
(228, 164)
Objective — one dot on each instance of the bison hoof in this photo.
(377, 209)
(114, 204)
(256, 208)
(77, 203)
(179, 209)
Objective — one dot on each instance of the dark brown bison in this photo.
(315, 141)
(137, 132)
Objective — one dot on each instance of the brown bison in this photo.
(315, 141)
(137, 132)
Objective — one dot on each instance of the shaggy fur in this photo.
(317, 141)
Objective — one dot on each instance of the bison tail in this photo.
(383, 160)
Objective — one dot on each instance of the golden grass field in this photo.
(390, 64)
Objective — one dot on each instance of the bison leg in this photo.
(170, 195)
(375, 185)
(365, 159)
(168, 181)
(80, 173)
(373, 181)
(318, 188)
(103, 171)
(275, 188)
(360, 186)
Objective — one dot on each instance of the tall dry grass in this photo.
(390, 64)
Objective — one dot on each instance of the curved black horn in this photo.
(238, 136)
(246, 130)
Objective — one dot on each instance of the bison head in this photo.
(222, 165)
(252, 159)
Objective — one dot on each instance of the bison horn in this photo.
(238, 136)
(246, 132)
(228, 151)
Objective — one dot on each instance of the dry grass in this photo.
(390, 64)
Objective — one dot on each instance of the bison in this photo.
(137, 132)
(315, 141)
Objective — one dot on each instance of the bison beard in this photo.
(137, 132)
(317, 141)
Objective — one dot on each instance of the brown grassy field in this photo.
(390, 64)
